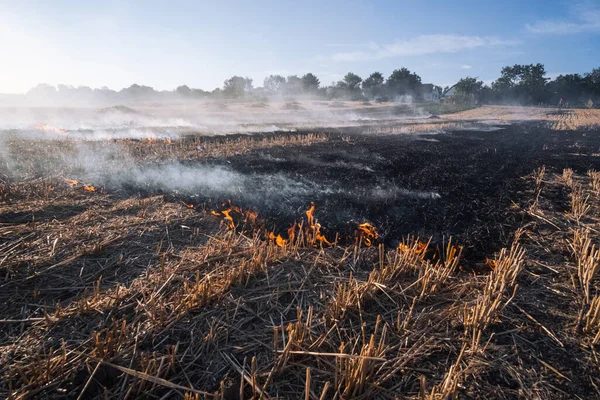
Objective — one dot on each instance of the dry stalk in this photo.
(588, 259)
(579, 202)
(434, 275)
(506, 270)
(567, 177)
(594, 181)
(592, 319)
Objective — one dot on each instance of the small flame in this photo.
(89, 188)
(315, 226)
(227, 214)
(368, 233)
(281, 242)
(48, 128)
(416, 246)
(190, 206)
(71, 182)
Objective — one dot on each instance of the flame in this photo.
(281, 242)
(309, 214)
(48, 128)
(292, 232)
(190, 206)
(71, 182)
(89, 188)
(416, 246)
(368, 233)
(315, 226)
(227, 214)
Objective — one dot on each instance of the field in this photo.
(309, 250)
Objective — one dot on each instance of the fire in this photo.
(190, 206)
(315, 226)
(48, 128)
(227, 215)
(416, 246)
(73, 182)
(368, 233)
(281, 242)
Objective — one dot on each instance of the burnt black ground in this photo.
(393, 181)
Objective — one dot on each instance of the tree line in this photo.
(517, 84)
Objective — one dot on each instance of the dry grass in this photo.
(588, 259)
(558, 119)
(146, 298)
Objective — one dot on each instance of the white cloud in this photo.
(585, 18)
(466, 66)
(421, 45)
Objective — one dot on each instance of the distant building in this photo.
(431, 93)
(449, 93)
(449, 96)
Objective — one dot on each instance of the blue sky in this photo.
(202, 43)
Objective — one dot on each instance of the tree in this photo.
(274, 83)
(293, 85)
(183, 90)
(403, 82)
(352, 81)
(310, 83)
(522, 83)
(136, 90)
(236, 87)
(373, 85)
(469, 86)
(592, 82)
(468, 91)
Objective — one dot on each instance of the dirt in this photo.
(459, 184)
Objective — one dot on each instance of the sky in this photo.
(165, 44)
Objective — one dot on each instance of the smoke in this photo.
(205, 118)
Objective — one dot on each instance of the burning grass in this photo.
(107, 295)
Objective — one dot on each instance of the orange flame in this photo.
(48, 128)
(89, 188)
(190, 206)
(315, 226)
(281, 242)
(71, 182)
(309, 214)
(227, 214)
(416, 246)
(368, 233)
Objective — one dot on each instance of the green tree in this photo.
(522, 83)
(352, 81)
(293, 85)
(183, 90)
(236, 87)
(274, 83)
(373, 85)
(592, 81)
(469, 86)
(403, 82)
(310, 83)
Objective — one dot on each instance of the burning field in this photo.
(377, 253)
